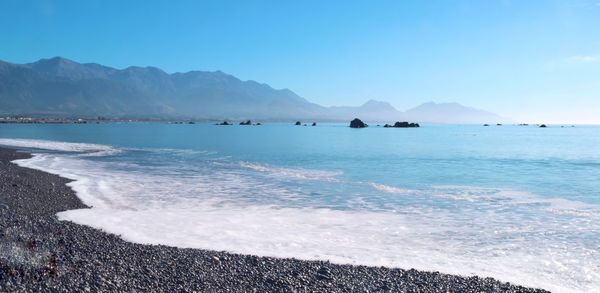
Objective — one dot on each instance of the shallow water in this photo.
(521, 204)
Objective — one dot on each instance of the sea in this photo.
(516, 203)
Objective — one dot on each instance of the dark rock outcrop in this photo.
(224, 123)
(357, 123)
(298, 123)
(402, 125)
(314, 124)
(543, 126)
(246, 123)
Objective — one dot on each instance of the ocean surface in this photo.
(518, 203)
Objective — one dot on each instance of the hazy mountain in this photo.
(370, 111)
(63, 87)
(64, 68)
(59, 86)
(25, 90)
(451, 113)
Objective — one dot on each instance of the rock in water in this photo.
(404, 125)
(357, 123)
(224, 123)
(298, 123)
(314, 124)
(543, 126)
(246, 123)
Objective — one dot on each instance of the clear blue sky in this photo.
(533, 61)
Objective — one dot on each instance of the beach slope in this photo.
(40, 253)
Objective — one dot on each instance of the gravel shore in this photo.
(38, 253)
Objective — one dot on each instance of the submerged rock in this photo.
(224, 123)
(357, 123)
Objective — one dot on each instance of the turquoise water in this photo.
(519, 203)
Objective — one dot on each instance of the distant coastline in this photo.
(65, 88)
(43, 119)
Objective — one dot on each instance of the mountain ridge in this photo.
(59, 86)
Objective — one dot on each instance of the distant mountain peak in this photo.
(144, 69)
(372, 102)
(52, 62)
(57, 59)
(66, 68)
(374, 105)
(452, 113)
(442, 106)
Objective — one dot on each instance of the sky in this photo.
(532, 61)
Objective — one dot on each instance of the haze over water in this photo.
(518, 203)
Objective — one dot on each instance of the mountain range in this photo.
(62, 87)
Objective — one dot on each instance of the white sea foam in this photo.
(379, 239)
(512, 198)
(390, 189)
(295, 173)
(505, 197)
(232, 211)
(86, 148)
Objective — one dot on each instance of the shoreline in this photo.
(40, 253)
